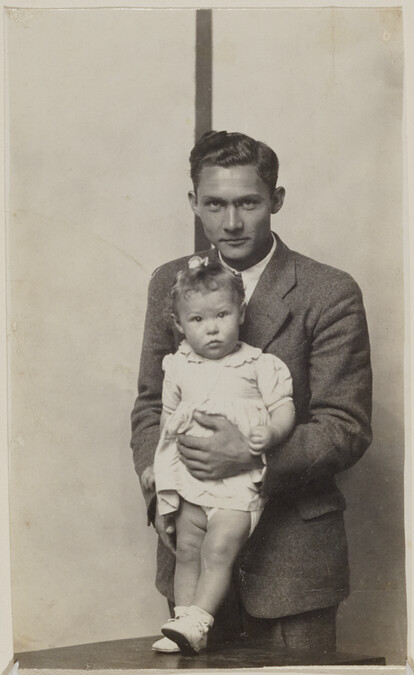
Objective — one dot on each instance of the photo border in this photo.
(6, 641)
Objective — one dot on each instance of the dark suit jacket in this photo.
(312, 317)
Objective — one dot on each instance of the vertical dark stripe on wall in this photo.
(203, 95)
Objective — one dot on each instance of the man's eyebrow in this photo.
(216, 199)
(251, 195)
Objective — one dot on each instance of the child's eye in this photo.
(197, 319)
(221, 315)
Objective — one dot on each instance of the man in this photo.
(293, 572)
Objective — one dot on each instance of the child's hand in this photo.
(148, 478)
(261, 438)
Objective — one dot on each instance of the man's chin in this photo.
(234, 254)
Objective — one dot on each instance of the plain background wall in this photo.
(324, 89)
(6, 631)
(97, 200)
(97, 191)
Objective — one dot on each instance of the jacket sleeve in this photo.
(338, 430)
(158, 340)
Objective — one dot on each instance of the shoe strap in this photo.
(202, 625)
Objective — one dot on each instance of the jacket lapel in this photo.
(267, 310)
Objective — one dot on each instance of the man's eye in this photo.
(249, 204)
(213, 205)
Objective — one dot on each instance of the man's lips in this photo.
(235, 241)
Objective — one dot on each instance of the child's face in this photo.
(210, 321)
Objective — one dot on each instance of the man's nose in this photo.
(233, 220)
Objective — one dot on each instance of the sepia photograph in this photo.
(206, 256)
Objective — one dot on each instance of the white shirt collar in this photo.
(251, 275)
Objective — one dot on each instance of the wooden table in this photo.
(136, 653)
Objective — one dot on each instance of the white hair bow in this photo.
(197, 261)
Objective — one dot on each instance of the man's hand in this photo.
(224, 453)
(165, 526)
(148, 478)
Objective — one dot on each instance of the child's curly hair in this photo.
(202, 275)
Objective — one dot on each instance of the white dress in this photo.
(244, 386)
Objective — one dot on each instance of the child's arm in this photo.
(147, 476)
(264, 437)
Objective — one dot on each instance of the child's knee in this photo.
(219, 553)
(188, 548)
(222, 548)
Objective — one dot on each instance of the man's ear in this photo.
(278, 198)
(242, 313)
(192, 198)
(177, 324)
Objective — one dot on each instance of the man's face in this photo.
(235, 206)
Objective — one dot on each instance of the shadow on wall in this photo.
(374, 615)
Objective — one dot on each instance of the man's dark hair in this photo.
(223, 148)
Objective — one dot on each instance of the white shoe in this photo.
(165, 646)
(189, 632)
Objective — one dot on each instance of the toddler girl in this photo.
(212, 372)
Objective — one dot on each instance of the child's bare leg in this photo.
(191, 523)
(227, 531)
